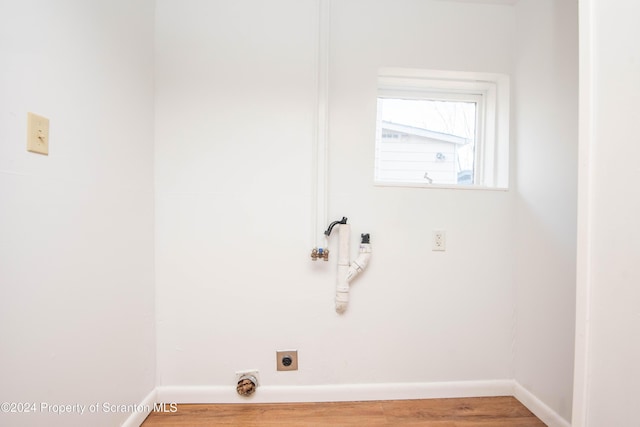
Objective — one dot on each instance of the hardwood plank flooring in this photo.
(468, 412)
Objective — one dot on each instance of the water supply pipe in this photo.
(320, 140)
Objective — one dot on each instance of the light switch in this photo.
(37, 134)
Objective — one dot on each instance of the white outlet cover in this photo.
(439, 242)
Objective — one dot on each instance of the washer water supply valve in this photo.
(323, 253)
(319, 253)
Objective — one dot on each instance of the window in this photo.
(439, 128)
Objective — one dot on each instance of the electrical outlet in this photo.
(287, 360)
(439, 240)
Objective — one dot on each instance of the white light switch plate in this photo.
(37, 134)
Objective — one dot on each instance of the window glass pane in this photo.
(426, 141)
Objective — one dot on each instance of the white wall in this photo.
(76, 227)
(447, 305)
(234, 126)
(545, 127)
(608, 322)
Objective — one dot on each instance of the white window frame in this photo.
(489, 91)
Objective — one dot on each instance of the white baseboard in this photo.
(336, 393)
(539, 409)
(350, 392)
(136, 418)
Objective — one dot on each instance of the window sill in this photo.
(440, 186)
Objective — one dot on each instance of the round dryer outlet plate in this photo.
(287, 360)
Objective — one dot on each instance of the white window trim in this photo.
(492, 130)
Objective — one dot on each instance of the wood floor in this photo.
(467, 412)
